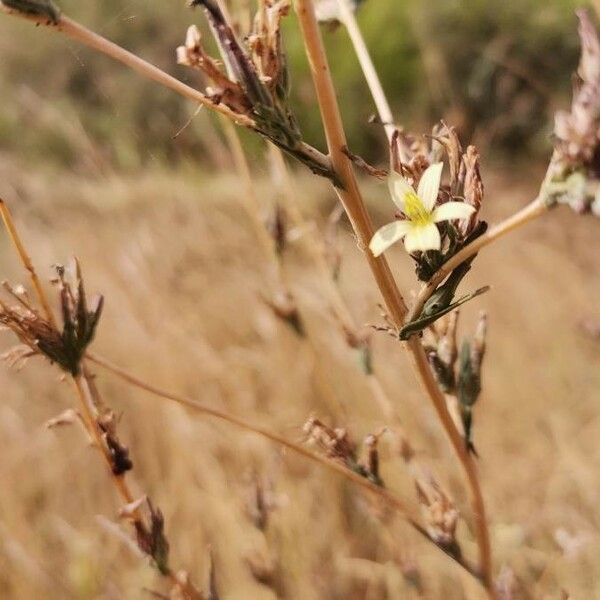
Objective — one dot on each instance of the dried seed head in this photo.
(371, 466)
(574, 173)
(472, 187)
(153, 541)
(266, 46)
(65, 348)
(448, 139)
(440, 513)
(256, 83)
(335, 443)
(577, 131)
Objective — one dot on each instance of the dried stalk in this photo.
(26, 261)
(310, 156)
(362, 482)
(352, 201)
(89, 402)
(368, 68)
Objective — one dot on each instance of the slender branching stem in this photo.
(196, 406)
(26, 261)
(87, 406)
(85, 36)
(85, 390)
(368, 68)
(349, 192)
(354, 205)
(533, 210)
(86, 402)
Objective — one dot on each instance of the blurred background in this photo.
(98, 163)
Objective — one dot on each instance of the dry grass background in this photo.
(176, 258)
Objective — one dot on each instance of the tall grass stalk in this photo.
(89, 403)
(351, 199)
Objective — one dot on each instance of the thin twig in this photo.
(364, 57)
(354, 205)
(79, 33)
(85, 390)
(350, 196)
(26, 261)
(362, 482)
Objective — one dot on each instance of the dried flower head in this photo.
(152, 541)
(328, 11)
(335, 443)
(66, 347)
(255, 80)
(574, 173)
(440, 514)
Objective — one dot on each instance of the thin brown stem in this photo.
(87, 408)
(354, 205)
(196, 406)
(74, 30)
(421, 365)
(26, 261)
(534, 209)
(88, 400)
(81, 34)
(349, 192)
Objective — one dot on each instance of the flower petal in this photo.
(389, 234)
(429, 186)
(424, 237)
(399, 187)
(452, 210)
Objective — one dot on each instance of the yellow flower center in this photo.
(415, 210)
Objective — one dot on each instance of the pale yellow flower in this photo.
(419, 229)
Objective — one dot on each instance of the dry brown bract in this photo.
(39, 336)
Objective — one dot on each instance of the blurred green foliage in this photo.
(497, 70)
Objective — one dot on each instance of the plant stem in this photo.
(530, 212)
(349, 194)
(194, 405)
(74, 30)
(87, 37)
(88, 409)
(421, 365)
(368, 68)
(88, 403)
(354, 205)
(26, 261)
